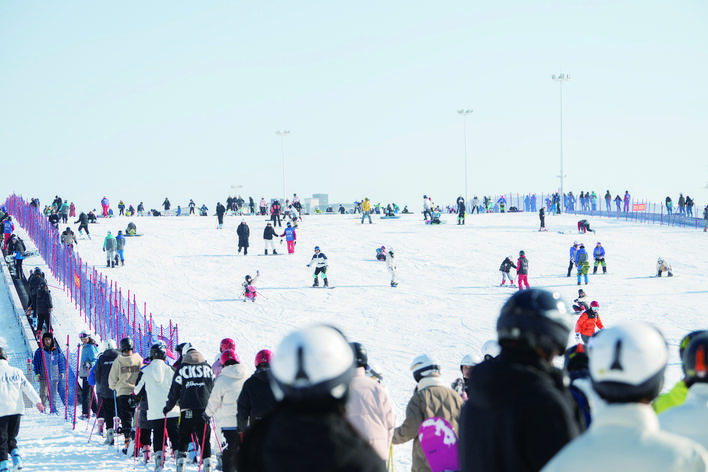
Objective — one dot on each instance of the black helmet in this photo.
(522, 253)
(126, 344)
(686, 340)
(158, 351)
(536, 318)
(575, 358)
(3, 353)
(693, 360)
(361, 358)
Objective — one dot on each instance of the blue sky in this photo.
(142, 100)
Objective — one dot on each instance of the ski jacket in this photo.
(8, 227)
(573, 251)
(289, 234)
(120, 242)
(154, 382)
(689, 419)
(581, 256)
(68, 237)
(101, 371)
(587, 322)
(124, 373)
(109, 243)
(256, 399)
(83, 219)
(299, 440)
(89, 356)
(390, 262)
(56, 364)
(243, 232)
(432, 398)
(427, 204)
(166, 204)
(275, 208)
(220, 210)
(366, 206)
(506, 265)
(598, 253)
(522, 265)
(320, 260)
(269, 232)
(13, 384)
(370, 410)
(516, 395)
(223, 399)
(104, 202)
(627, 437)
(663, 267)
(672, 398)
(191, 384)
(44, 303)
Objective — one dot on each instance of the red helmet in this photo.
(227, 343)
(263, 357)
(595, 305)
(229, 355)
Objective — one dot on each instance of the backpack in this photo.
(582, 257)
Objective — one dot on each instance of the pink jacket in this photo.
(370, 411)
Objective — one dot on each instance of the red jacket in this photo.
(586, 325)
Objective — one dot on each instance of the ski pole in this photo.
(201, 453)
(94, 421)
(164, 439)
(218, 441)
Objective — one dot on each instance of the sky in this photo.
(446, 304)
(140, 101)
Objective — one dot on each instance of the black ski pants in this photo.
(107, 411)
(228, 457)
(158, 433)
(191, 424)
(125, 413)
(9, 428)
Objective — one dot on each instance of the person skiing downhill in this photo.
(320, 261)
(505, 269)
(522, 270)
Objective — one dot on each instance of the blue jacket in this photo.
(598, 252)
(578, 254)
(573, 250)
(289, 234)
(56, 366)
(89, 355)
(8, 227)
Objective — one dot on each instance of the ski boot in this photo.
(158, 461)
(275, 253)
(181, 461)
(16, 459)
(316, 283)
(110, 437)
(326, 282)
(208, 465)
(594, 270)
(394, 284)
(101, 425)
(5, 466)
(146, 453)
(266, 252)
(122, 262)
(108, 263)
(604, 270)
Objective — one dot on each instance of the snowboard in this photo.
(279, 254)
(133, 235)
(321, 286)
(439, 443)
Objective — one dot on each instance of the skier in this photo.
(268, 234)
(618, 203)
(381, 253)
(220, 210)
(251, 206)
(366, 210)
(369, 407)
(191, 387)
(505, 269)
(627, 364)
(587, 322)
(89, 356)
(154, 381)
(243, 233)
(224, 345)
(122, 379)
(109, 247)
(275, 210)
(584, 226)
(312, 369)
(192, 206)
(7, 229)
(43, 307)
(580, 304)
(320, 261)
(50, 370)
(599, 255)
(662, 265)
(249, 289)
(105, 204)
(533, 329)
(121, 208)
(391, 267)
(522, 270)
(120, 247)
(290, 238)
(223, 403)
(13, 384)
(256, 399)
(431, 398)
(466, 365)
(542, 217)
(573, 250)
(475, 205)
(582, 263)
(460, 210)
(262, 206)
(83, 224)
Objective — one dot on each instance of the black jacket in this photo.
(83, 219)
(191, 384)
(256, 399)
(101, 371)
(34, 282)
(299, 441)
(269, 232)
(506, 265)
(243, 232)
(44, 301)
(518, 415)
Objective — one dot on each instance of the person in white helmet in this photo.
(627, 363)
(466, 365)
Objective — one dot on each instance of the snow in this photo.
(446, 303)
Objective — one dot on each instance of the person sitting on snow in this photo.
(584, 226)
(249, 289)
(662, 265)
(381, 253)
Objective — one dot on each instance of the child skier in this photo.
(522, 270)
(581, 303)
(391, 266)
(662, 265)
(599, 255)
(320, 261)
(381, 253)
(581, 262)
(584, 226)
(585, 326)
(290, 237)
(249, 289)
(505, 269)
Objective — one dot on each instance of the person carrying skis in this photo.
(599, 255)
(249, 289)
(268, 235)
(582, 263)
(587, 322)
(290, 237)
(391, 267)
(109, 247)
(662, 265)
(573, 250)
(243, 232)
(320, 261)
(522, 270)
(505, 269)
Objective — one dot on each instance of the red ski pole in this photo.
(201, 453)
(94, 421)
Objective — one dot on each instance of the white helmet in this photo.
(490, 349)
(627, 362)
(109, 344)
(470, 360)
(423, 366)
(312, 363)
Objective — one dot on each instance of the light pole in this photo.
(560, 79)
(464, 114)
(282, 135)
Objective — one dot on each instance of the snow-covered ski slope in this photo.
(446, 303)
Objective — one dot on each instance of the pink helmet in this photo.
(229, 355)
(263, 357)
(227, 343)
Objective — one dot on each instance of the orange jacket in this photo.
(586, 325)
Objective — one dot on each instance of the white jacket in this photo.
(156, 379)
(223, 401)
(627, 437)
(691, 418)
(12, 383)
(370, 411)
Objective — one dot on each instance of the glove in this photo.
(205, 417)
(37, 377)
(133, 401)
(104, 249)
(578, 339)
(166, 410)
